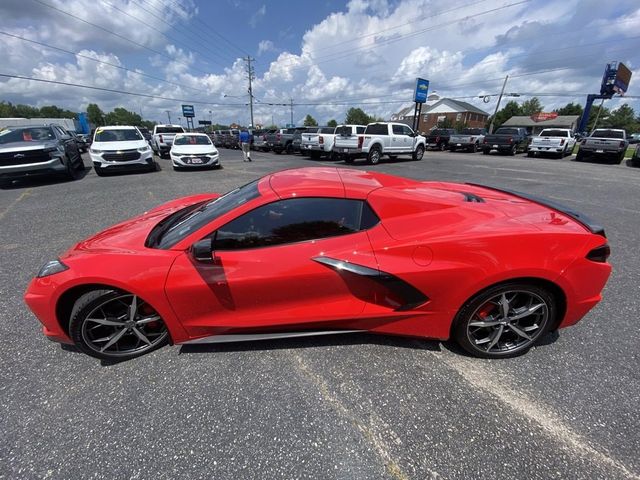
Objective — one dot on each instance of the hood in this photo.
(26, 146)
(192, 149)
(129, 236)
(124, 145)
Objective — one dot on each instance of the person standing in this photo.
(245, 144)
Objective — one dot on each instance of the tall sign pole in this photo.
(420, 97)
(251, 74)
(504, 85)
(291, 104)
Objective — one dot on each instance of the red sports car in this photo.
(315, 251)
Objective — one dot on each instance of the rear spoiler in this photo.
(581, 218)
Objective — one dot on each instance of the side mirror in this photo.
(202, 250)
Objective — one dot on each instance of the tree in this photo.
(26, 111)
(122, 116)
(510, 109)
(531, 106)
(332, 123)
(309, 121)
(52, 111)
(570, 109)
(95, 115)
(459, 126)
(356, 116)
(597, 112)
(446, 122)
(622, 117)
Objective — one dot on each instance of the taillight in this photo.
(600, 254)
(264, 137)
(622, 144)
(583, 141)
(161, 139)
(437, 139)
(360, 141)
(278, 136)
(510, 139)
(320, 140)
(484, 141)
(561, 141)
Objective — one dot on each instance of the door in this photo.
(409, 138)
(270, 270)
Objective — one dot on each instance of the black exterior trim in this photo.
(581, 218)
(411, 296)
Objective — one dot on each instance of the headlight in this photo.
(213, 152)
(52, 267)
(144, 149)
(97, 152)
(51, 149)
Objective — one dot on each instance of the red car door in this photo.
(274, 287)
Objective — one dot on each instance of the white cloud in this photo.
(257, 16)
(266, 46)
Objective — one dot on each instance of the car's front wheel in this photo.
(505, 320)
(116, 325)
(419, 153)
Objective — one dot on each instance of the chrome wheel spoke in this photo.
(519, 332)
(528, 311)
(145, 320)
(106, 321)
(113, 339)
(495, 337)
(504, 306)
(484, 324)
(133, 309)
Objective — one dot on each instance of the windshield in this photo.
(31, 134)
(554, 133)
(117, 135)
(472, 131)
(507, 131)
(608, 134)
(186, 221)
(192, 140)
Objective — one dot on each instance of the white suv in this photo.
(116, 148)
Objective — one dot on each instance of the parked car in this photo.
(38, 150)
(296, 142)
(604, 143)
(146, 134)
(634, 138)
(117, 148)
(318, 143)
(232, 139)
(193, 150)
(509, 140)
(281, 140)
(439, 138)
(218, 138)
(328, 250)
(555, 141)
(80, 141)
(163, 138)
(470, 139)
(385, 138)
(635, 159)
(260, 140)
(346, 142)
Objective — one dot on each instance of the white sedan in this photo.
(194, 150)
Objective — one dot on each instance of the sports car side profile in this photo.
(328, 250)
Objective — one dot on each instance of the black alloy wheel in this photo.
(116, 325)
(505, 320)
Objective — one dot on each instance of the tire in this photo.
(442, 147)
(482, 329)
(348, 159)
(288, 149)
(314, 155)
(621, 158)
(473, 148)
(513, 150)
(485, 151)
(81, 166)
(278, 152)
(531, 154)
(579, 156)
(99, 171)
(72, 171)
(419, 153)
(124, 336)
(374, 156)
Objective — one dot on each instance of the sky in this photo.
(323, 56)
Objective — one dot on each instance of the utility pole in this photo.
(291, 104)
(168, 116)
(251, 74)
(498, 104)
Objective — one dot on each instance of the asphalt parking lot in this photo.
(356, 406)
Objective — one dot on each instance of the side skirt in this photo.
(252, 337)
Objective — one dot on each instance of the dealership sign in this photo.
(188, 111)
(542, 116)
(422, 88)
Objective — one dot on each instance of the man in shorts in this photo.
(245, 144)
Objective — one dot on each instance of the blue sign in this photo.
(422, 88)
(188, 111)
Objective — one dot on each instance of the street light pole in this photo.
(168, 116)
(250, 73)
(291, 104)
(498, 104)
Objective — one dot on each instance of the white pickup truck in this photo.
(554, 141)
(162, 139)
(385, 138)
(318, 143)
(346, 140)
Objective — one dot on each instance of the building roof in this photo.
(448, 105)
(566, 121)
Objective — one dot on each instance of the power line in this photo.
(78, 54)
(157, 52)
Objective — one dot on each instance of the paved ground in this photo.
(357, 406)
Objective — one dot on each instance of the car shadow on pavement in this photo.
(39, 181)
(312, 342)
(548, 338)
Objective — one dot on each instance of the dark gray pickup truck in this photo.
(510, 140)
(608, 143)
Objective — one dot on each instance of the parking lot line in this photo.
(22, 196)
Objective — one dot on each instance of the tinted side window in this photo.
(397, 130)
(360, 129)
(377, 129)
(294, 220)
(406, 130)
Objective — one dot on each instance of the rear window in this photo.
(117, 135)
(169, 130)
(472, 131)
(554, 133)
(327, 129)
(377, 129)
(608, 134)
(507, 131)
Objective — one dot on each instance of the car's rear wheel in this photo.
(419, 153)
(374, 155)
(505, 320)
(348, 159)
(486, 151)
(116, 325)
(514, 150)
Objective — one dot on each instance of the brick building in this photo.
(437, 109)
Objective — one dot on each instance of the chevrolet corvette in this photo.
(317, 251)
